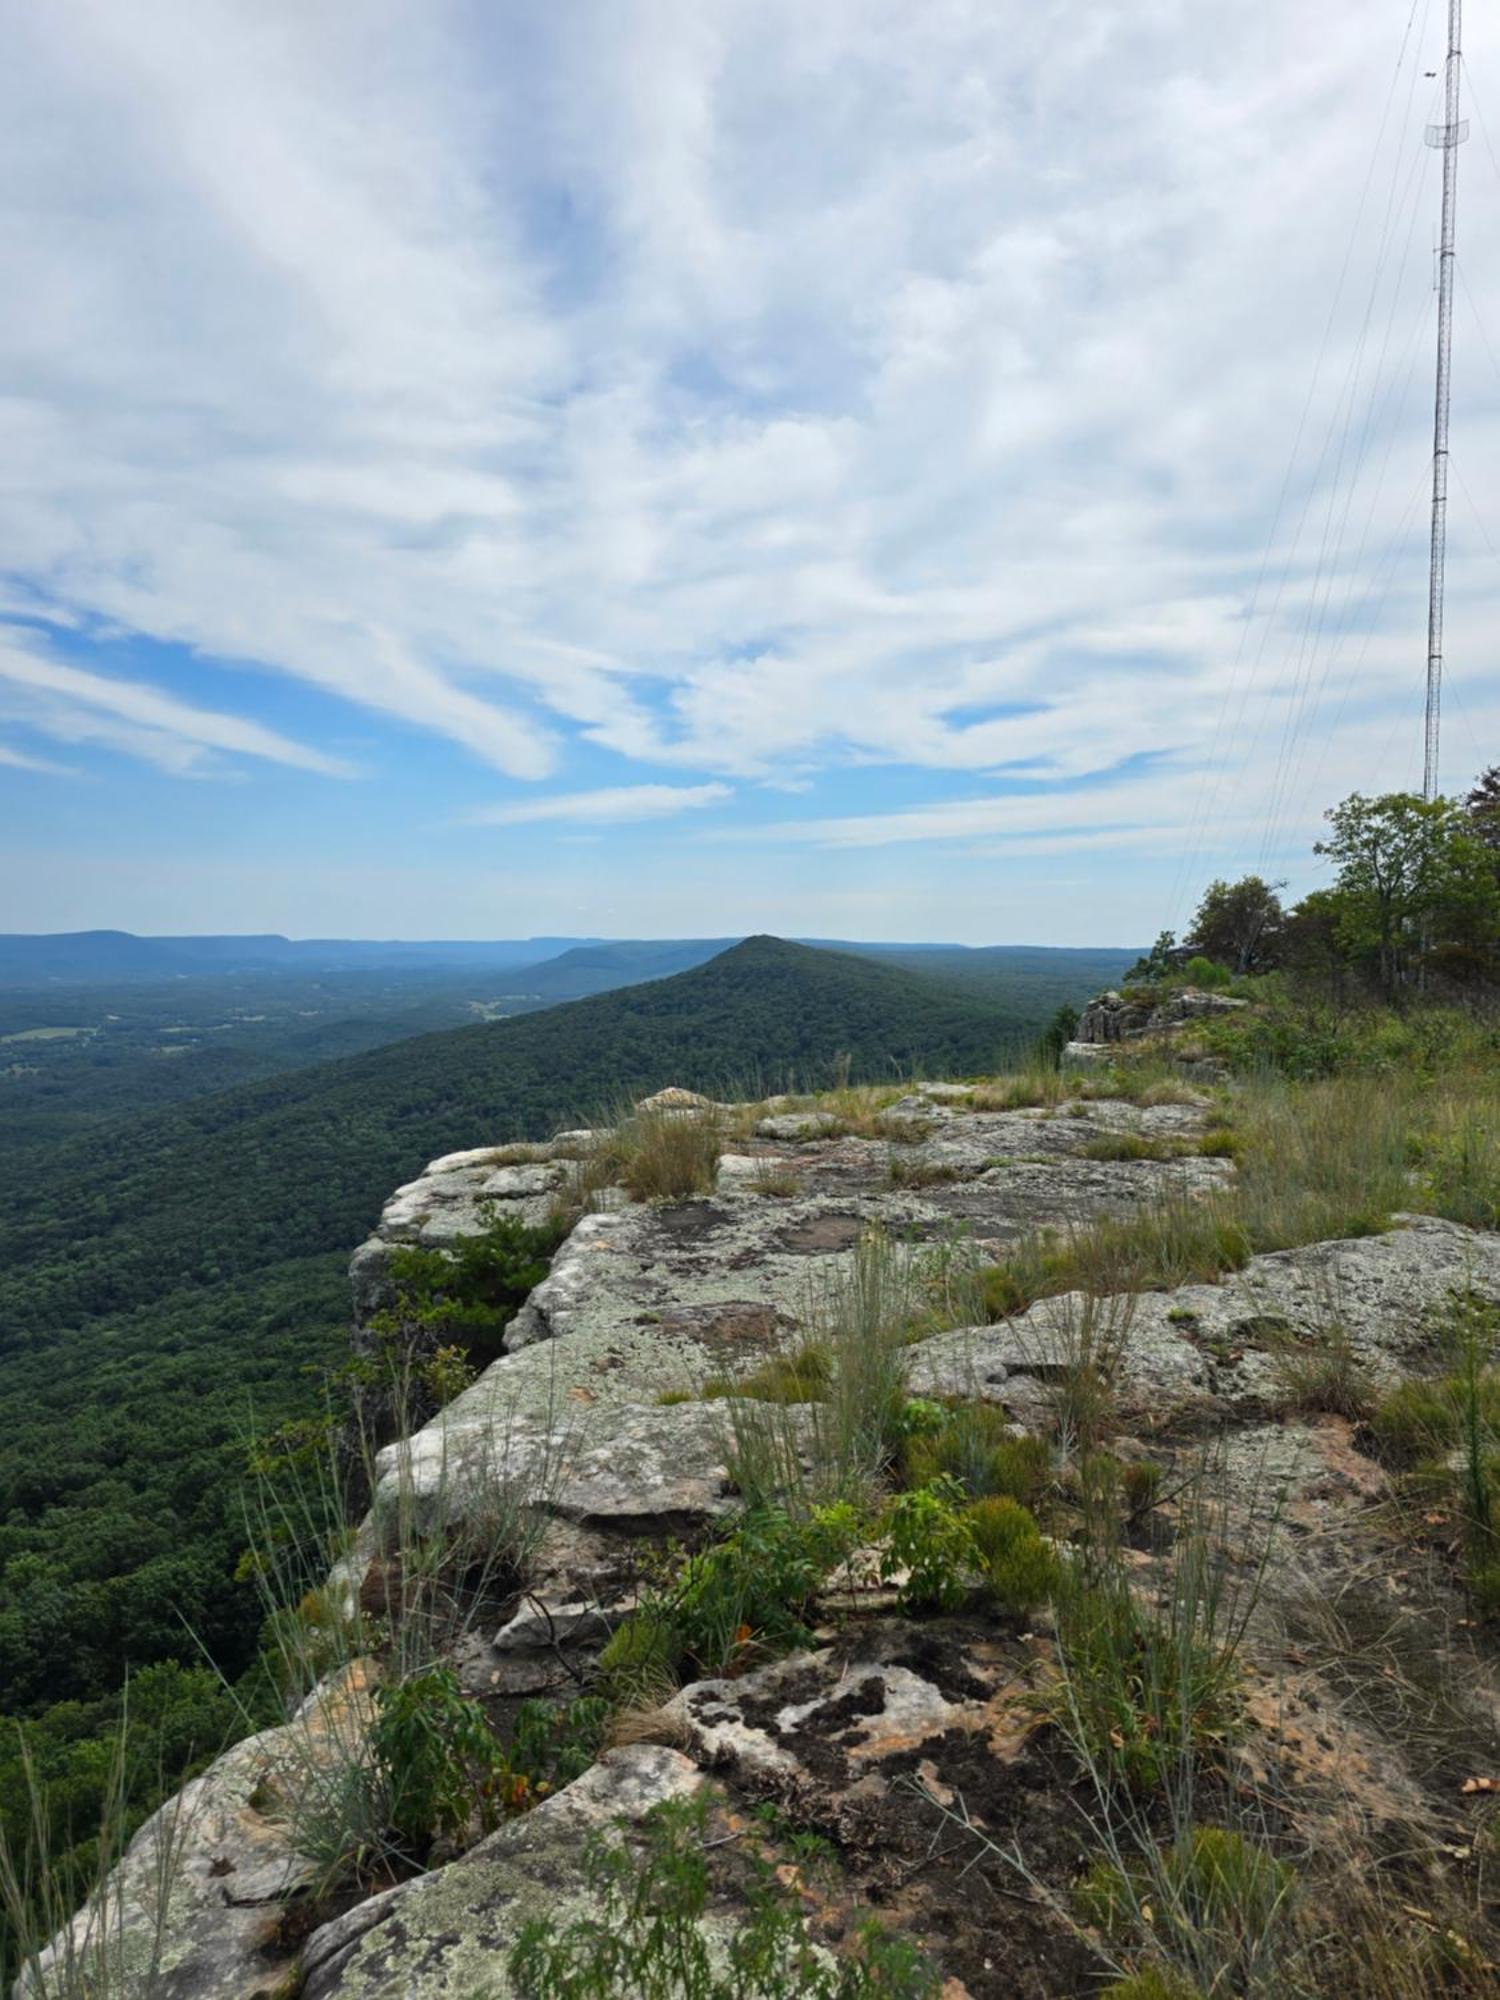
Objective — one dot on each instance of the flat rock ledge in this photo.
(1222, 1344)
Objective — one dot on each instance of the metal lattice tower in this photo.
(1448, 136)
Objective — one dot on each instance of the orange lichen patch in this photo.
(1303, 1738)
(1342, 1474)
(932, 1784)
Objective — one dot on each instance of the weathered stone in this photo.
(449, 1163)
(637, 1469)
(1221, 1342)
(1115, 1018)
(449, 1933)
(859, 1714)
(194, 1909)
(540, 1625)
(674, 1098)
(793, 1125)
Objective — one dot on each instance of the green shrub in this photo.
(1140, 1482)
(475, 1286)
(437, 1759)
(1019, 1567)
(930, 1539)
(553, 1745)
(1205, 974)
(649, 1942)
(1019, 1468)
(748, 1594)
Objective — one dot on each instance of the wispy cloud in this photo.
(752, 392)
(18, 760)
(614, 806)
(79, 706)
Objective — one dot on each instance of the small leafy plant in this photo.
(930, 1539)
(439, 1762)
(650, 1941)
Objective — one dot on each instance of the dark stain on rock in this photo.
(821, 1234)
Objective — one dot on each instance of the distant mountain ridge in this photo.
(32, 958)
(574, 966)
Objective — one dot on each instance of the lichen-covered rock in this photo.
(449, 1934)
(1114, 1017)
(635, 1469)
(195, 1908)
(1223, 1343)
(675, 1099)
(815, 1714)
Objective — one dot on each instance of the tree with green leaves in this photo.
(1414, 884)
(1240, 924)
(1483, 808)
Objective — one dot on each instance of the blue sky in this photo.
(655, 468)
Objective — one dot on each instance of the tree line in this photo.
(1414, 906)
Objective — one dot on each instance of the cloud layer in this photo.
(657, 399)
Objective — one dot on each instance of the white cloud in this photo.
(79, 706)
(614, 806)
(759, 391)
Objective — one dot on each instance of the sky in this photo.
(952, 469)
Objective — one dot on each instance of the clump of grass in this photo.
(1140, 1483)
(668, 1155)
(859, 1109)
(863, 1319)
(1213, 1898)
(1030, 1090)
(70, 1927)
(1145, 1687)
(1020, 1569)
(638, 1668)
(1176, 1242)
(1458, 1156)
(1323, 1376)
(1152, 1982)
(1446, 1431)
(802, 1377)
(975, 1443)
(1220, 1142)
(1136, 1146)
(776, 1179)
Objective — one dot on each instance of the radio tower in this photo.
(1448, 136)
